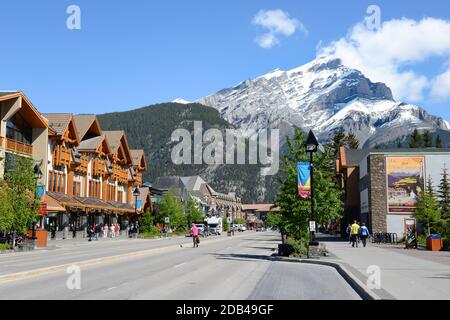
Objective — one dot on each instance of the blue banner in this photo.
(304, 179)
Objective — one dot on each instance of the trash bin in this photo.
(434, 242)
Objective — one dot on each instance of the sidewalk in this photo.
(405, 275)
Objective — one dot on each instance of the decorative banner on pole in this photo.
(304, 179)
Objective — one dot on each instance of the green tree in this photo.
(146, 222)
(352, 141)
(399, 144)
(193, 212)
(444, 195)
(427, 139)
(416, 139)
(225, 225)
(239, 221)
(25, 204)
(438, 143)
(6, 208)
(427, 209)
(295, 212)
(171, 207)
(338, 141)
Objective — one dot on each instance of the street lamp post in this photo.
(136, 194)
(37, 175)
(312, 147)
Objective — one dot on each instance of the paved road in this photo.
(220, 269)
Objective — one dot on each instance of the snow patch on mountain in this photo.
(325, 96)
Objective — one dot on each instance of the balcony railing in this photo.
(83, 166)
(120, 174)
(139, 179)
(19, 147)
(99, 167)
(61, 156)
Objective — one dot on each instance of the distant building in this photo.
(195, 188)
(381, 187)
(256, 214)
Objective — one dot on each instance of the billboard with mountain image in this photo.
(405, 181)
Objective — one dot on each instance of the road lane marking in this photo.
(92, 262)
(179, 265)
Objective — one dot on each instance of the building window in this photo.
(111, 192)
(18, 129)
(94, 189)
(120, 196)
(56, 182)
(77, 189)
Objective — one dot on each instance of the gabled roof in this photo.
(138, 158)
(27, 109)
(60, 123)
(93, 144)
(86, 123)
(193, 183)
(118, 143)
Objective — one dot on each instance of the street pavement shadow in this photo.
(242, 257)
(263, 248)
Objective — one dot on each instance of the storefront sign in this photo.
(405, 181)
(304, 179)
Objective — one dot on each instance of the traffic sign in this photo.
(312, 226)
(167, 220)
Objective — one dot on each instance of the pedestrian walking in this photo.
(105, 230)
(91, 233)
(117, 229)
(349, 233)
(355, 234)
(97, 231)
(364, 234)
(113, 230)
(195, 238)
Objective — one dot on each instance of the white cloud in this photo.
(390, 54)
(441, 86)
(276, 22)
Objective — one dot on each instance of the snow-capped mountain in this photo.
(325, 96)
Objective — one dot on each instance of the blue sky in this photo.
(129, 54)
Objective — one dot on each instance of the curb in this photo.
(356, 284)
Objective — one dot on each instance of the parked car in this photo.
(242, 228)
(259, 229)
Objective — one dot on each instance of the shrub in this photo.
(299, 247)
(5, 246)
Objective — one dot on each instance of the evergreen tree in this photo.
(439, 142)
(399, 143)
(444, 195)
(377, 147)
(416, 139)
(427, 139)
(352, 142)
(427, 209)
(338, 141)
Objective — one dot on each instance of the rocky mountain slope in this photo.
(325, 96)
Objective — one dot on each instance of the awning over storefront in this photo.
(57, 202)
(64, 200)
(94, 204)
(52, 204)
(122, 207)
